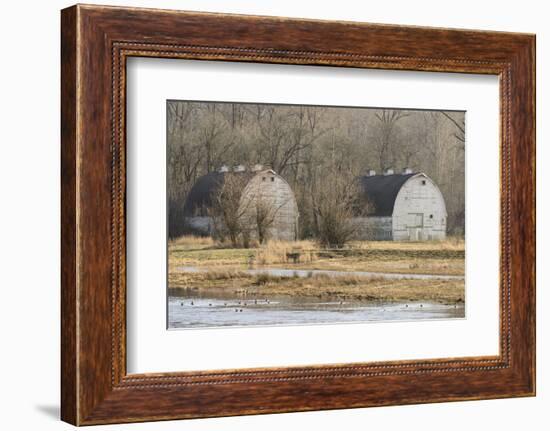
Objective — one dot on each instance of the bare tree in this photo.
(229, 207)
(285, 133)
(215, 139)
(460, 124)
(455, 187)
(184, 158)
(265, 214)
(335, 201)
(387, 120)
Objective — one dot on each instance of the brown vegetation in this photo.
(343, 288)
(264, 217)
(228, 211)
(225, 268)
(434, 257)
(283, 252)
(335, 203)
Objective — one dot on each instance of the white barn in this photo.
(261, 187)
(402, 207)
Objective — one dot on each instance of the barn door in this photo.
(415, 224)
(415, 220)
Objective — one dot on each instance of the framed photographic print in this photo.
(268, 215)
(312, 237)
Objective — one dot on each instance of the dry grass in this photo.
(441, 257)
(450, 243)
(224, 269)
(388, 264)
(343, 288)
(275, 252)
(191, 241)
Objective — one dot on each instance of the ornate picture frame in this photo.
(96, 41)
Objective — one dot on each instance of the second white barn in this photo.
(402, 207)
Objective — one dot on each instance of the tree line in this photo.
(318, 150)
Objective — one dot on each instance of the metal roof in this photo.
(201, 194)
(382, 190)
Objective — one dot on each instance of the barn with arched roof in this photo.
(407, 206)
(261, 192)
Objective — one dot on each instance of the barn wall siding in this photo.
(373, 228)
(419, 212)
(273, 190)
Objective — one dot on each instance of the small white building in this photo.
(402, 207)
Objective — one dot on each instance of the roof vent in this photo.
(371, 173)
(224, 168)
(257, 167)
(238, 168)
(407, 171)
(388, 171)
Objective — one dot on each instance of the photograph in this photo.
(306, 214)
(297, 214)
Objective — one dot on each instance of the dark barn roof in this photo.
(201, 194)
(381, 191)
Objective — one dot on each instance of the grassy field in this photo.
(445, 257)
(225, 269)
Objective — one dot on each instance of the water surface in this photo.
(195, 310)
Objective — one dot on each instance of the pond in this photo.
(195, 310)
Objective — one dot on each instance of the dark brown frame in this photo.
(95, 43)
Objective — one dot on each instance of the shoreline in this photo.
(371, 289)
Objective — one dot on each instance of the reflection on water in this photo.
(226, 309)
